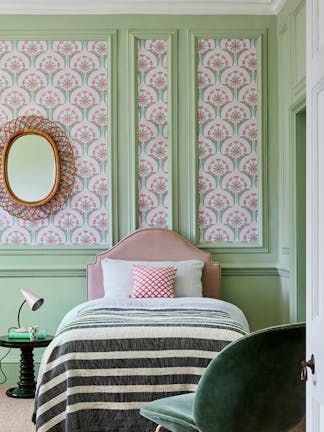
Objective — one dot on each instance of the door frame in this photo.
(296, 109)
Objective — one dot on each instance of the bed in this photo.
(119, 350)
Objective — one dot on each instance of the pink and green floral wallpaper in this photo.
(67, 82)
(229, 205)
(153, 133)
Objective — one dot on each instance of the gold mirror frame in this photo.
(64, 167)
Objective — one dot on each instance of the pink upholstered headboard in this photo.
(155, 244)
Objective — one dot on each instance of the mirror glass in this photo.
(31, 168)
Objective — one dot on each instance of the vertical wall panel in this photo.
(67, 82)
(153, 142)
(229, 141)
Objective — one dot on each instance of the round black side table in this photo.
(26, 384)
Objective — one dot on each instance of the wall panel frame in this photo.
(262, 85)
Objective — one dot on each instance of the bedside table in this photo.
(26, 384)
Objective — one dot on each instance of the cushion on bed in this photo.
(118, 276)
(150, 282)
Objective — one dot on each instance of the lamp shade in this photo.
(33, 300)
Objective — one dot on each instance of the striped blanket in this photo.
(108, 359)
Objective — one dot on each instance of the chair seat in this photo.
(174, 413)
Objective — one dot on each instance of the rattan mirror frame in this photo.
(65, 167)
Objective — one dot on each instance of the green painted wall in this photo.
(291, 103)
(250, 277)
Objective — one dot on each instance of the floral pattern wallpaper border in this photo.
(67, 82)
(153, 146)
(229, 205)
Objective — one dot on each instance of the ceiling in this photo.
(190, 7)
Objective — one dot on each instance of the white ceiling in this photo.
(190, 7)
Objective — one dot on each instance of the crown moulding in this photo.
(180, 7)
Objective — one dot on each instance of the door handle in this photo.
(305, 364)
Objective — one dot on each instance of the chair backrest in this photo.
(254, 383)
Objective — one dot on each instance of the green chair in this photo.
(253, 385)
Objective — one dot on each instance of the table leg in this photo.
(26, 384)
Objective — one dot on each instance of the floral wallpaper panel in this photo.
(153, 133)
(229, 205)
(65, 81)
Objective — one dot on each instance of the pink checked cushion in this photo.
(153, 281)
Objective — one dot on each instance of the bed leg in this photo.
(158, 429)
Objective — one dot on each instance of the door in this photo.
(315, 214)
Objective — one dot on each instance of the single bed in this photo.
(113, 353)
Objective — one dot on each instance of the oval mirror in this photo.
(37, 167)
(31, 168)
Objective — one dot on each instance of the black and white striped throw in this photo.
(107, 361)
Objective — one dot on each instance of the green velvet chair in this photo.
(253, 385)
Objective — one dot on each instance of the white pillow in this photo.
(118, 276)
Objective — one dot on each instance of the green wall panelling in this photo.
(38, 33)
(292, 102)
(262, 107)
(59, 273)
(262, 286)
(172, 121)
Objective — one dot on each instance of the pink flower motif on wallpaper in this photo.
(99, 82)
(206, 183)
(68, 116)
(15, 99)
(84, 64)
(68, 221)
(157, 46)
(32, 82)
(205, 45)
(51, 237)
(32, 49)
(157, 218)
(99, 116)
(50, 63)
(85, 99)
(86, 205)
(217, 61)
(218, 167)
(99, 186)
(146, 202)
(50, 99)
(100, 221)
(219, 234)
(206, 218)
(145, 63)
(15, 64)
(204, 79)
(218, 131)
(249, 61)
(67, 48)
(236, 46)
(205, 149)
(99, 152)
(86, 133)
(218, 96)
(85, 237)
(227, 140)
(146, 97)
(99, 48)
(16, 237)
(66, 81)
(250, 234)
(153, 146)
(205, 114)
